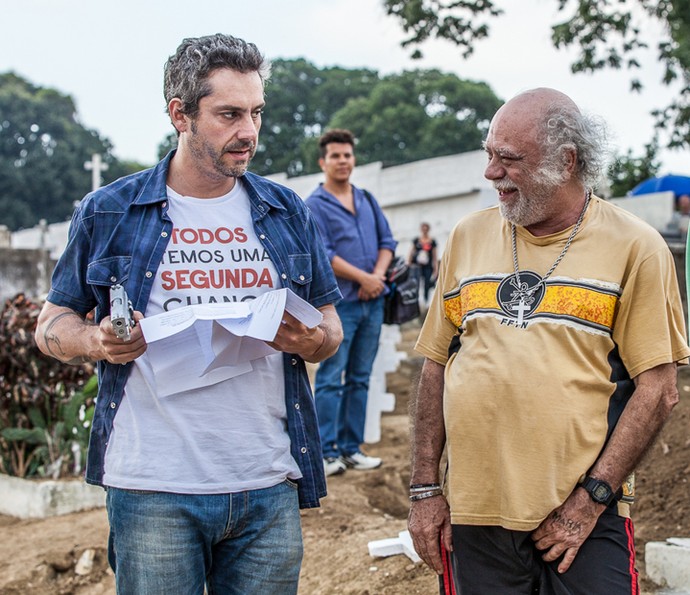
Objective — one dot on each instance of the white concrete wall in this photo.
(441, 214)
(656, 209)
(38, 499)
(52, 237)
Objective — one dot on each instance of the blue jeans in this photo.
(244, 543)
(342, 381)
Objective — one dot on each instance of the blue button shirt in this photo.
(355, 237)
(119, 234)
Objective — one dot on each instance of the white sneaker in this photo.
(333, 466)
(360, 461)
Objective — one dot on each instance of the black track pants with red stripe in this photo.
(493, 560)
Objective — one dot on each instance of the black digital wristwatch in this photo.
(598, 490)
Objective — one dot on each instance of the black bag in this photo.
(397, 271)
(401, 304)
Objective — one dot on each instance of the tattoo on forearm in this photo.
(52, 341)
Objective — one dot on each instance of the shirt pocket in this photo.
(109, 271)
(300, 269)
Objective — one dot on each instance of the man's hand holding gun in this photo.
(121, 313)
(121, 336)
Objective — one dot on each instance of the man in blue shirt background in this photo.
(360, 247)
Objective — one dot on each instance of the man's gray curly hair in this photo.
(188, 69)
(564, 129)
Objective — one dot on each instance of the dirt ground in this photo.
(40, 556)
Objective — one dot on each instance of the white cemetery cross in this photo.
(387, 360)
(95, 166)
(402, 544)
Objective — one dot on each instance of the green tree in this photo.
(43, 148)
(167, 144)
(628, 171)
(301, 99)
(417, 115)
(609, 33)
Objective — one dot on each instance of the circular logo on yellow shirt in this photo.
(520, 298)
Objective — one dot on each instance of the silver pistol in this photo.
(121, 312)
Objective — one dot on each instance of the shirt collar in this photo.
(153, 189)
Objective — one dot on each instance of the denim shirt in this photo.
(119, 233)
(355, 237)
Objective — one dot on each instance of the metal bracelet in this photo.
(423, 487)
(425, 495)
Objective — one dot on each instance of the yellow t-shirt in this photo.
(536, 387)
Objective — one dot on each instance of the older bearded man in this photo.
(551, 349)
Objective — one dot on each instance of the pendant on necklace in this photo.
(519, 296)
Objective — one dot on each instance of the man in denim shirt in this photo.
(204, 485)
(360, 246)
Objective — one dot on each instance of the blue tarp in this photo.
(671, 183)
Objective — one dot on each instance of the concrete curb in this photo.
(668, 564)
(37, 499)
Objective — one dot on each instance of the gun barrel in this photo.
(121, 315)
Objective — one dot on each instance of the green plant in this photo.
(46, 407)
(59, 443)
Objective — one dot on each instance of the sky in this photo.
(109, 57)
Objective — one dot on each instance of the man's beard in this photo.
(236, 169)
(201, 149)
(525, 210)
(535, 206)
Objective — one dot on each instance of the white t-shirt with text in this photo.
(227, 437)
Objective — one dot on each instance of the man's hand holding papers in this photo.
(213, 342)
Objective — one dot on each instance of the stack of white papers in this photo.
(200, 345)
